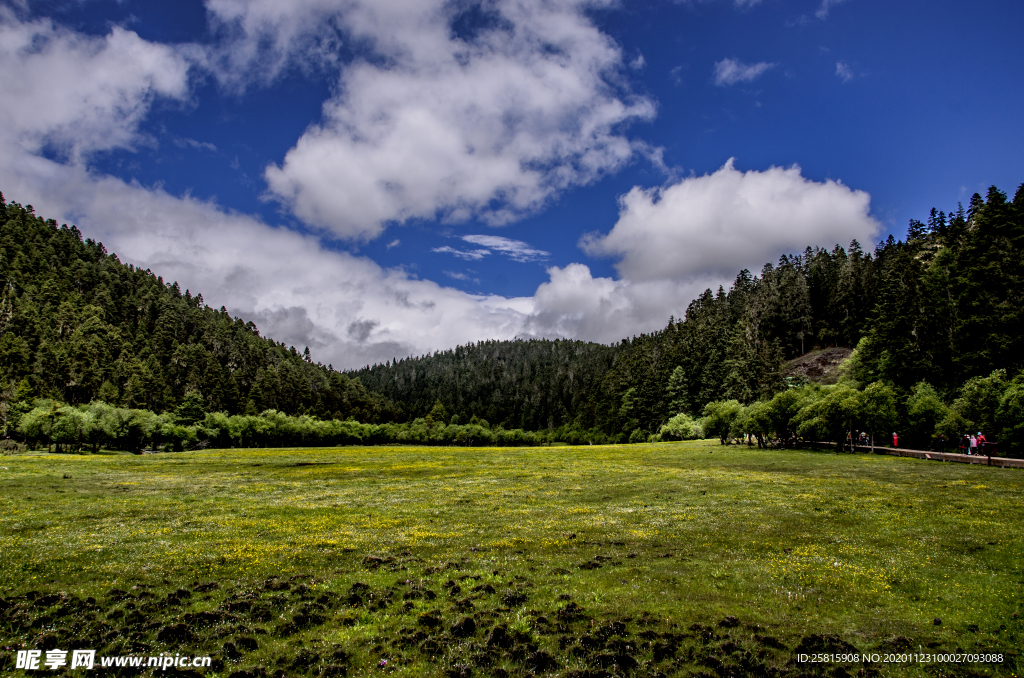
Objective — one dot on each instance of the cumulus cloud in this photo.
(731, 71)
(260, 40)
(349, 310)
(91, 93)
(446, 116)
(573, 303)
(674, 242)
(717, 224)
(73, 94)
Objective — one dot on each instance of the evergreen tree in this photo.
(192, 409)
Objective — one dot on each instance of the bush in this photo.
(681, 427)
(638, 436)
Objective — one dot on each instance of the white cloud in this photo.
(260, 40)
(430, 124)
(575, 304)
(844, 72)
(731, 71)
(469, 255)
(744, 4)
(826, 5)
(75, 94)
(91, 93)
(346, 308)
(716, 224)
(517, 250)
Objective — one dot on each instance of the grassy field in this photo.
(647, 560)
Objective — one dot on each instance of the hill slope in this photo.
(820, 367)
(78, 325)
(532, 384)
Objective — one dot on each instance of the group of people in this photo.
(971, 444)
(853, 439)
(863, 439)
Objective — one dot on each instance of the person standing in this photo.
(974, 445)
(981, 443)
(941, 440)
(895, 439)
(965, 444)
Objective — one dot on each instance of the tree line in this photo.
(97, 425)
(837, 413)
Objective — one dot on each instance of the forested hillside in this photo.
(730, 345)
(534, 384)
(942, 306)
(77, 325)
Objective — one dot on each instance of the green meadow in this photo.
(674, 559)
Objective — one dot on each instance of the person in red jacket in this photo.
(895, 439)
(981, 443)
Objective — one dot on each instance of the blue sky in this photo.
(389, 178)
